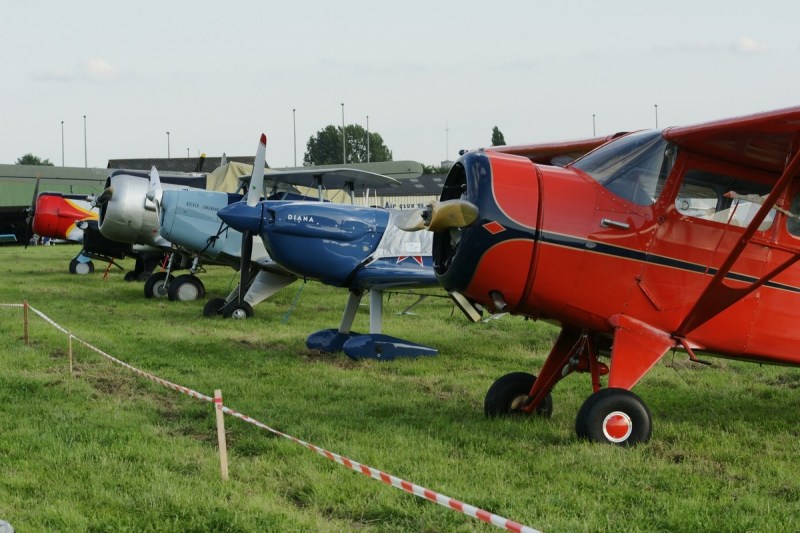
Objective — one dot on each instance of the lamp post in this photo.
(344, 140)
(187, 153)
(593, 128)
(62, 143)
(656, 106)
(367, 138)
(85, 151)
(168, 156)
(294, 134)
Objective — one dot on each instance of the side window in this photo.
(723, 199)
(793, 220)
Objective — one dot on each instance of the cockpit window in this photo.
(634, 167)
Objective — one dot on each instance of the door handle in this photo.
(608, 223)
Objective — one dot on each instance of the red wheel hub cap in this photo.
(617, 426)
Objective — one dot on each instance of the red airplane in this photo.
(685, 238)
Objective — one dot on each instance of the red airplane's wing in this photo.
(766, 141)
(545, 152)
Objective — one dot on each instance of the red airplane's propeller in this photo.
(31, 212)
(439, 216)
(253, 196)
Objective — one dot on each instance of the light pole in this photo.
(62, 143)
(168, 156)
(593, 129)
(85, 151)
(367, 138)
(344, 140)
(294, 133)
(187, 153)
(656, 106)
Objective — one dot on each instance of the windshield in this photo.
(634, 167)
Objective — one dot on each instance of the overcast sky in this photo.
(434, 76)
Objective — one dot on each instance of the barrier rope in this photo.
(378, 475)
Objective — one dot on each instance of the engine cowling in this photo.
(492, 260)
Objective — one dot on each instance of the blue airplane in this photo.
(359, 248)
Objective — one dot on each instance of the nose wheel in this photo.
(614, 416)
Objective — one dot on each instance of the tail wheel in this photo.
(157, 285)
(614, 416)
(80, 267)
(185, 288)
(237, 310)
(509, 393)
(213, 307)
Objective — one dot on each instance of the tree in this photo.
(435, 169)
(30, 159)
(325, 148)
(497, 137)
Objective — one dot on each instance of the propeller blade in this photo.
(452, 214)
(257, 179)
(31, 212)
(104, 197)
(244, 265)
(438, 216)
(200, 162)
(155, 193)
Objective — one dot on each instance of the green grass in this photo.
(105, 450)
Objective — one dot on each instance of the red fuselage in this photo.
(565, 245)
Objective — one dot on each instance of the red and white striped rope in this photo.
(388, 479)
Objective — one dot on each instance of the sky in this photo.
(433, 76)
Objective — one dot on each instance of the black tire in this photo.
(130, 276)
(157, 285)
(80, 268)
(213, 307)
(507, 394)
(186, 288)
(237, 310)
(614, 416)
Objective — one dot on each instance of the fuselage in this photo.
(127, 215)
(341, 245)
(634, 229)
(56, 215)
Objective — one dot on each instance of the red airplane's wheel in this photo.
(506, 396)
(185, 288)
(157, 285)
(213, 307)
(614, 416)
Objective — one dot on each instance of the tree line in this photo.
(329, 147)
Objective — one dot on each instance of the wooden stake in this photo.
(223, 448)
(70, 355)
(25, 322)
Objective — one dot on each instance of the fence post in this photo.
(223, 448)
(25, 322)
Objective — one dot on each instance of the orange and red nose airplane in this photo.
(685, 238)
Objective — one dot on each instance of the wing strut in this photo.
(717, 296)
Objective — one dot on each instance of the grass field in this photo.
(105, 450)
